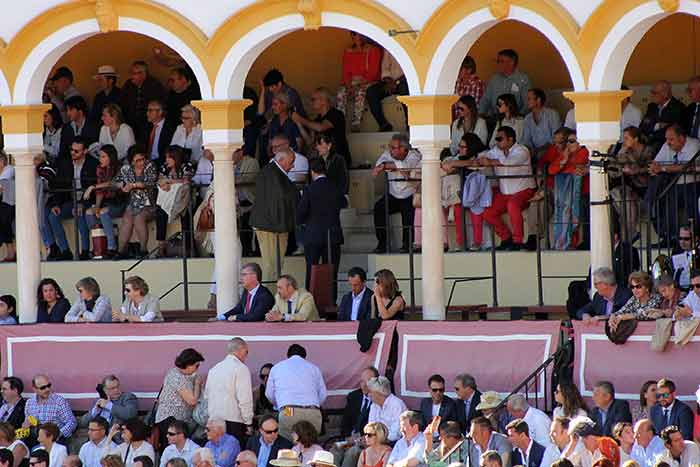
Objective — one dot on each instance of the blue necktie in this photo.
(289, 307)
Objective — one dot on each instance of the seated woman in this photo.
(508, 116)
(387, 302)
(8, 441)
(671, 297)
(134, 433)
(623, 433)
(105, 203)
(47, 436)
(175, 171)
(139, 306)
(138, 179)
(305, 439)
(115, 132)
(468, 121)
(569, 400)
(91, 307)
(8, 310)
(188, 134)
(53, 123)
(643, 303)
(52, 305)
(376, 450)
(361, 68)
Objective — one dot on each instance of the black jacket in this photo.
(263, 301)
(619, 411)
(671, 113)
(90, 133)
(64, 180)
(253, 444)
(134, 103)
(165, 140)
(345, 308)
(319, 210)
(176, 101)
(448, 410)
(598, 306)
(463, 419)
(16, 417)
(536, 455)
(275, 201)
(354, 418)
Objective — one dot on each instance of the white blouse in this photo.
(192, 141)
(123, 141)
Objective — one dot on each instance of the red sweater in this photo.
(366, 63)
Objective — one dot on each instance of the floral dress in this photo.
(641, 310)
(143, 198)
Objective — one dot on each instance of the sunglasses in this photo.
(663, 395)
(264, 376)
(271, 432)
(498, 139)
(127, 290)
(437, 389)
(684, 239)
(571, 141)
(369, 435)
(45, 386)
(636, 286)
(695, 286)
(35, 463)
(170, 433)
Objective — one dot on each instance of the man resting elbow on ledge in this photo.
(292, 303)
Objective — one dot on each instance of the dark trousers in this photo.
(377, 92)
(405, 207)
(679, 198)
(7, 217)
(185, 223)
(319, 252)
(246, 233)
(238, 430)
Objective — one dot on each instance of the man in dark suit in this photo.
(12, 410)
(670, 411)
(526, 451)
(468, 397)
(137, 92)
(273, 213)
(691, 113)
(159, 132)
(269, 442)
(78, 126)
(255, 301)
(438, 403)
(319, 211)
(608, 411)
(116, 408)
(183, 90)
(609, 296)
(663, 111)
(356, 305)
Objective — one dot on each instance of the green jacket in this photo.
(276, 198)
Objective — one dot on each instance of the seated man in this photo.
(255, 301)
(537, 422)
(292, 303)
(527, 451)
(608, 411)
(540, 124)
(397, 161)
(452, 447)
(93, 450)
(670, 411)
(438, 404)
(386, 407)
(180, 445)
(393, 83)
(486, 439)
(268, 443)
(356, 305)
(409, 451)
(647, 445)
(663, 111)
(679, 452)
(12, 409)
(117, 407)
(608, 299)
(223, 446)
(513, 194)
(39, 458)
(48, 407)
(691, 303)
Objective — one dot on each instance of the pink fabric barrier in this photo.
(77, 356)
(499, 354)
(629, 365)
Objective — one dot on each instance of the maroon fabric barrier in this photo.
(629, 365)
(77, 356)
(499, 354)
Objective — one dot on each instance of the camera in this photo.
(100, 388)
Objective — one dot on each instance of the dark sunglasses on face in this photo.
(369, 435)
(437, 389)
(498, 139)
(170, 433)
(684, 239)
(695, 286)
(636, 286)
(271, 432)
(663, 395)
(127, 290)
(571, 141)
(45, 386)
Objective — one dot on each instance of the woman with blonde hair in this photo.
(139, 306)
(387, 302)
(376, 451)
(115, 132)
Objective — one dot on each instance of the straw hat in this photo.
(106, 70)
(489, 400)
(323, 458)
(286, 458)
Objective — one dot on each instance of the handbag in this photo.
(206, 218)
(150, 418)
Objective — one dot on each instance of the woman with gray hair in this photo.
(91, 306)
(188, 135)
(139, 306)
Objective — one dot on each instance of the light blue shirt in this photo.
(404, 450)
(91, 453)
(283, 386)
(264, 453)
(356, 302)
(186, 454)
(540, 134)
(105, 413)
(517, 84)
(647, 457)
(225, 450)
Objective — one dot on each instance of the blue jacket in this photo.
(476, 194)
(619, 411)
(345, 309)
(681, 416)
(263, 301)
(598, 305)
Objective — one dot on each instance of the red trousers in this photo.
(514, 205)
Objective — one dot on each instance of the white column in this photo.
(430, 139)
(227, 249)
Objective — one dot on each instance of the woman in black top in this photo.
(387, 299)
(52, 304)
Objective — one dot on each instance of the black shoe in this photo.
(84, 256)
(54, 253)
(517, 247)
(531, 244)
(404, 250)
(121, 256)
(386, 128)
(380, 250)
(110, 254)
(65, 256)
(505, 245)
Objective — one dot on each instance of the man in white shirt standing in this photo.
(409, 451)
(386, 407)
(180, 445)
(296, 401)
(513, 194)
(647, 446)
(229, 391)
(397, 162)
(92, 451)
(537, 421)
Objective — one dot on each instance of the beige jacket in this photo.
(303, 307)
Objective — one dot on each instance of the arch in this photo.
(240, 57)
(40, 44)
(5, 94)
(615, 50)
(449, 53)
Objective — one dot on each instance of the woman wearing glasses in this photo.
(262, 403)
(91, 306)
(139, 306)
(376, 452)
(643, 304)
(134, 433)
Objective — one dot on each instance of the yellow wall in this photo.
(108, 49)
(669, 51)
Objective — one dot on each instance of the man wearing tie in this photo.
(160, 133)
(292, 303)
(256, 299)
(468, 397)
(670, 411)
(691, 113)
(682, 261)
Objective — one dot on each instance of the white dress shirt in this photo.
(229, 391)
(91, 454)
(646, 457)
(570, 119)
(518, 156)
(300, 171)
(127, 455)
(122, 141)
(631, 116)
(193, 141)
(666, 157)
(156, 139)
(283, 386)
(682, 261)
(356, 302)
(692, 301)
(172, 452)
(538, 422)
(404, 450)
(388, 414)
(401, 190)
(689, 457)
